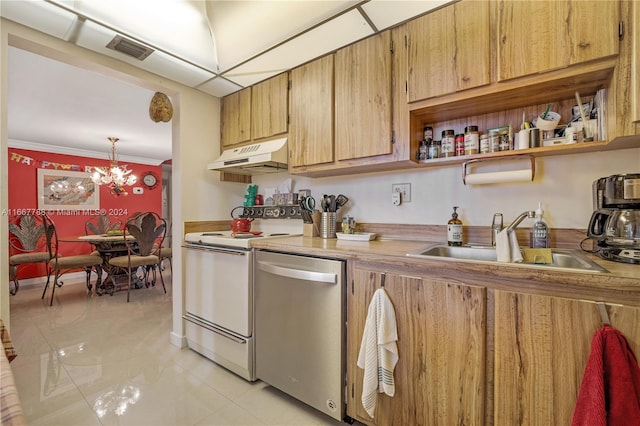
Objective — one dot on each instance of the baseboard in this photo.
(179, 341)
(71, 278)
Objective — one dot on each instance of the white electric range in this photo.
(219, 308)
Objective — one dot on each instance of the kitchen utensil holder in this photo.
(328, 225)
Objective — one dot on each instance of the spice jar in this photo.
(471, 140)
(494, 141)
(484, 144)
(459, 144)
(447, 145)
(428, 133)
(505, 140)
(422, 150)
(433, 149)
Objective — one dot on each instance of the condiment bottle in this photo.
(345, 225)
(539, 237)
(459, 143)
(447, 146)
(454, 229)
(485, 146)
(471, 140)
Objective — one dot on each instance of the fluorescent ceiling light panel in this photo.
(332, 35)
(178, 27)
(386, 13)
(40, 15)
(247, 28)
(96, 37)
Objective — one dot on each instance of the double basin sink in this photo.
(565, 259)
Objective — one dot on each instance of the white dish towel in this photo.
(507, 247)
(378, 351)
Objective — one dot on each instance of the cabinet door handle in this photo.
(466, 79)
(584, 45)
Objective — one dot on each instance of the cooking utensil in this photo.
(307, 206)
(332, 203)
(546, 111)
(341, 200)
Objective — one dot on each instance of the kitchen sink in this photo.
(569, 259)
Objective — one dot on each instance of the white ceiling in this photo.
(216, 47)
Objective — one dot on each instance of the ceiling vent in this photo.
(129, 47)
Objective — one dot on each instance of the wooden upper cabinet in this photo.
(311, 117)
(539, 36)
(235, 123)
(269, 107)
(449, 50)
(363, 99)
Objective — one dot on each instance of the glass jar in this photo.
(494, 141)
(484, 144)
(471, 140)
(433, 150)
(505, 140)
(447, 145)
(427, 133)
(422, 151)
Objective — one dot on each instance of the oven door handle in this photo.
(212, 329)
(215, 250)
(321, 277)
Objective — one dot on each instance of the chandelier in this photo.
(114, 176)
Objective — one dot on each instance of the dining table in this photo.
(109, 246)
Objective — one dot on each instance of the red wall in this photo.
(23, 194)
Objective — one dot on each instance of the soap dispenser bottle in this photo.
(454, 229)
(540, 233)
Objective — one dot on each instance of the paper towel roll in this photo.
(497, 177)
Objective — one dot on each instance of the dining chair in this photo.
(27, 245)
(148, 230)
(164, 251)
(60, 265)
(101, 224)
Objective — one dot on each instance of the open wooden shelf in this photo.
(576, 148)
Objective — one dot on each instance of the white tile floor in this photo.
(98, 360)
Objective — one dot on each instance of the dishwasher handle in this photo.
(298, 273)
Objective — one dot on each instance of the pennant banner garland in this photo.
(43, 164)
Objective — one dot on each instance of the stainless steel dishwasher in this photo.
(300, 314)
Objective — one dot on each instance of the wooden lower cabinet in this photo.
(541, 348)
(471, 354)
(440, 374)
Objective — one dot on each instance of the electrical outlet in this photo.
(404, 189)
(396, 198)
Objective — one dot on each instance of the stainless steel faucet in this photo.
(523, 216)
(496, 227)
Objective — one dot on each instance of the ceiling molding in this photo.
(54, 149)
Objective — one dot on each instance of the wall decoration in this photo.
(150, 180)
(160, 108)
(66, 190)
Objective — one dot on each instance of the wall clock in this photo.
(150, 180)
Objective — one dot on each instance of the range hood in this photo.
(260, 158)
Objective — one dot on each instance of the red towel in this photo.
(610, 389)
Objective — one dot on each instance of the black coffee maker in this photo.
(615, 222)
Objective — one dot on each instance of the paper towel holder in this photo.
(502, 176)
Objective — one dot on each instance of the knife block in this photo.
(312, 229)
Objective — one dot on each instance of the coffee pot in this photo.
(615, 223)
